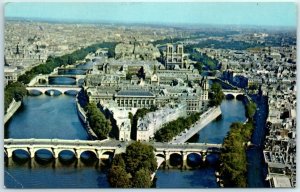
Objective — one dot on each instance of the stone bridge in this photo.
(39, 79)
(104, 149)
(204, 120)
(233, 92)
(56, 146)
(76, 77)
(165, 151)
(51, 88)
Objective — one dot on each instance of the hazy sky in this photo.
(273, 14)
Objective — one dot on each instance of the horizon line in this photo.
(88, 21)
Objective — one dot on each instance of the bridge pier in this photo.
(9, 152)
(99, 153)
(204, 154)
(55, 152)
(31, 152)
(184, 160)
(167, 159)
(77, 153)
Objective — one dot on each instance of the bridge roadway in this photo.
(102, 148)
(204, 120)
(45, 78)
(61, 88)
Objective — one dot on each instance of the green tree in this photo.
(250, 110)
(7, 100)
(118, 177)
(118, 161)
(100, 125)
(233, 168)
(142, 179)
(198, 65)
(216, 95)
(140, 156)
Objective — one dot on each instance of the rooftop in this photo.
(134, 93)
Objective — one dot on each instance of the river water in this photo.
(56, 117)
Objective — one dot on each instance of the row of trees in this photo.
(233, 168)
(250, 110)
(205, 61)
(215, 94)
(100, 125)
(12, 91)
(53, 62)
(173, 128)
(133, 168)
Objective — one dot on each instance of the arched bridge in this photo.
(101, 148)
(56, 146)
(234, 93)
(76, 77)
(44, 79)
(48, 88)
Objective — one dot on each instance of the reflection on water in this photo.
(58, 119)
(55, 174)
(232, 111)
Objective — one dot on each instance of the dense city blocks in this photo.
(125, 95)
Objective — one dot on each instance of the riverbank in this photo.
(13, 107)
(64, 123)
(82, 116)
(236, 174)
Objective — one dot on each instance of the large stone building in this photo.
(173, 55)
(152, 122)
(182, 87)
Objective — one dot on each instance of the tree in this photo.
(233, 168)
(118, 161)
(173, 128)
(140, 156)
(134, 168)
(142, 179)
(7, 100)
(250, 110)
(100, 125)
(216, 95)
(198, 65)
(118, 177)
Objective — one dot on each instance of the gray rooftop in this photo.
(134, 93)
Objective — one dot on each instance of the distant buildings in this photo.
(176, 92)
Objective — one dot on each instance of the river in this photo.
(56, 117)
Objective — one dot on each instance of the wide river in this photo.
(56, 117)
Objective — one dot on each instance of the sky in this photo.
(259, 14)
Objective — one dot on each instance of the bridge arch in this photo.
(194, 159)
(160, 155)
(71, 92)
(229, 96)
(176, 159)
(43, 155)
(86, 153)
(66, 154)
(107, 154)
(35, 92)
(42, 80)
(53, 92)
(20, 155)
(212, 158)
